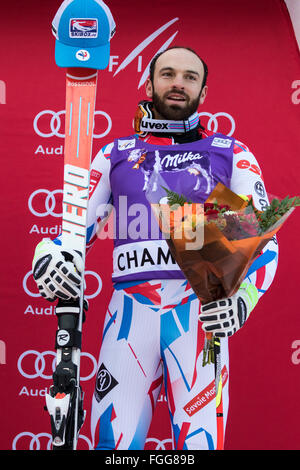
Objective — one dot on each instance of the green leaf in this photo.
(276, 210)
(175, 198)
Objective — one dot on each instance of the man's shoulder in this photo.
(238, 145)
(121, 143)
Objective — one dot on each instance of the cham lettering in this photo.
(130, 260)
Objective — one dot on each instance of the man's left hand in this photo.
(225, 317)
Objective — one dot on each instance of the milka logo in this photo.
(175, 160)
(135, 53)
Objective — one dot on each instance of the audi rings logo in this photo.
(49, 202)
(33, 364)
(159, 444)
(28, 440)
(48, 123)
(91, 295)
(214, 122)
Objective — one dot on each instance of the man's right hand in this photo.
(57, 271)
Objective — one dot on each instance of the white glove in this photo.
(225, 317)
(57, 271)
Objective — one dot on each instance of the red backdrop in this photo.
(254, 83)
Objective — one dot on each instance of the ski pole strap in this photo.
(68, 309)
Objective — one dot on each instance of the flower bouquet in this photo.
(215, 243)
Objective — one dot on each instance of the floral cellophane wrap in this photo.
(216, 268)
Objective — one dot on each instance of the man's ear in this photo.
(203, 94)
(149, 88)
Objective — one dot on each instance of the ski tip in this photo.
(81, 73)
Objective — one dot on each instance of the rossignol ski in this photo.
(65, 399)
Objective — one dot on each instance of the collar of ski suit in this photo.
(144, 122)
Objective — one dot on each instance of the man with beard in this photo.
(176, 93)
(152, 333)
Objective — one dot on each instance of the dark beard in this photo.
(174, 112)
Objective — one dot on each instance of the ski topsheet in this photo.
(65, 400)
(80, 106)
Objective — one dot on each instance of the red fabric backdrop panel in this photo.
(254, 94)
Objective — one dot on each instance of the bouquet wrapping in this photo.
(215, 243)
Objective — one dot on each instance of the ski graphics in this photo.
(65, 399)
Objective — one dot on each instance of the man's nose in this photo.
(178, 82)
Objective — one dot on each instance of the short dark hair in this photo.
(154, 60)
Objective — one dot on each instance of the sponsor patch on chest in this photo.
(219, 142)
(126, 144)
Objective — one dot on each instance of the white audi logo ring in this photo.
(87, 296)
(55, 123)
(50, 202)
(213, 120)
(160, 445)
(40, 364)
(35, 440)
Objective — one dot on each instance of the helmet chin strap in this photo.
(144, 122)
